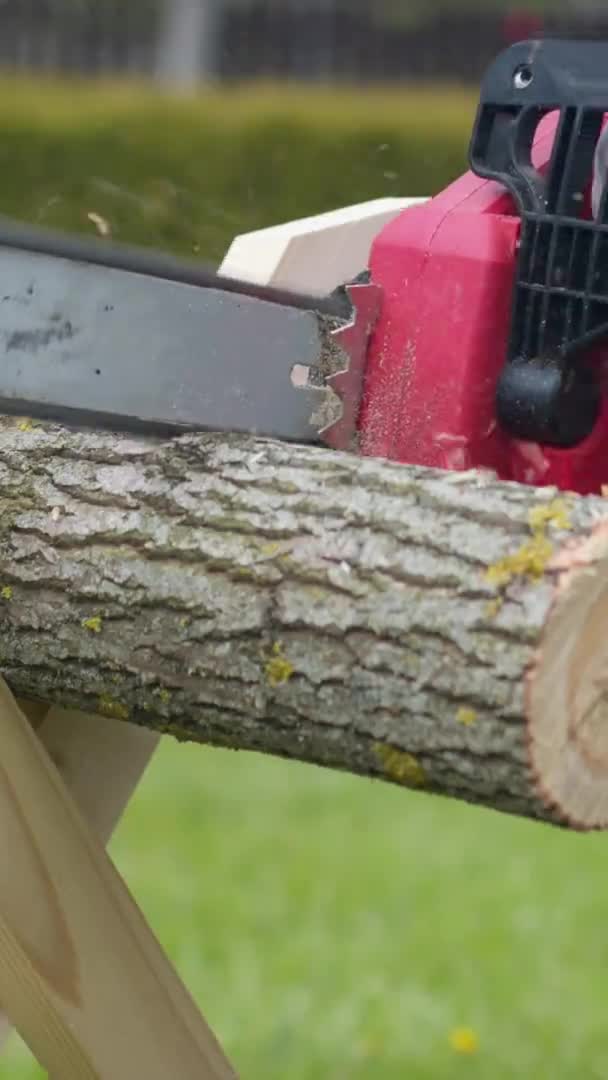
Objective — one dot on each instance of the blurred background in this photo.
(185, 42)
(194, 119)
(330, 927)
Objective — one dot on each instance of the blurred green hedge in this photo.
(189, 174)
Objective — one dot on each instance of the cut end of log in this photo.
(567, 690)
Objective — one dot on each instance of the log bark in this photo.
(437, 630)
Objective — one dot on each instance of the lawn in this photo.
(186, 175)
(333, 928)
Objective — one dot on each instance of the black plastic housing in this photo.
(547, 392)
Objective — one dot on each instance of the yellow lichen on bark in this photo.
(278, 668)
(114, 709)
(531, 558)
(400, 767)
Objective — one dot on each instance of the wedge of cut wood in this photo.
(316, 254)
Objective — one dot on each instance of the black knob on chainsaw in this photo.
(543, 402)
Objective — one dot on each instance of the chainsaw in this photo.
(476, 337)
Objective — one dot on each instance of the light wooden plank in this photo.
(102, 761)
(81, 974)
(314, 254)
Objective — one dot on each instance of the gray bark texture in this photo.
(437, 630)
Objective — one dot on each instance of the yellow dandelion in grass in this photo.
(464, 1040)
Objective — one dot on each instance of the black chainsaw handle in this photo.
(560, 303)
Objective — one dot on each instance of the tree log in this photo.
(438, 630)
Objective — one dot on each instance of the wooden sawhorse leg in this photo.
(82, 976)
(100, 759)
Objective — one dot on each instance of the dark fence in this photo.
(346, 46)
(329, 40)
(79, 36)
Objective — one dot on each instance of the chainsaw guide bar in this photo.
(99, 335)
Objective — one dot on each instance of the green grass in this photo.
(60, 104)
(336, 929)
(189, 174)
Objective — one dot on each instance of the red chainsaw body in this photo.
(446, 269)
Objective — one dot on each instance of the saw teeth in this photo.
(339, 414)
(328, 411)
